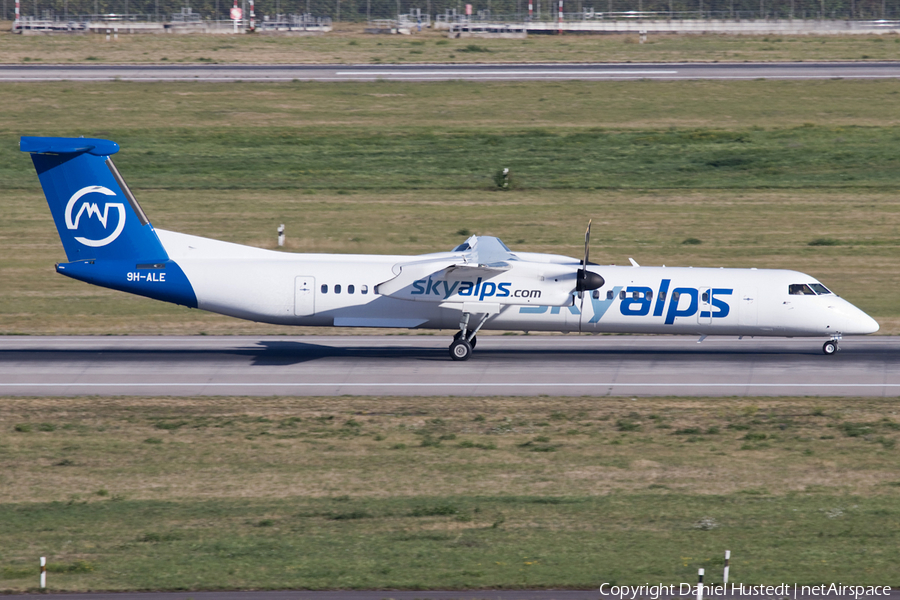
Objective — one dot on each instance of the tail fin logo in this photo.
(89, 209)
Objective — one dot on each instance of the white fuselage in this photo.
(341, 290)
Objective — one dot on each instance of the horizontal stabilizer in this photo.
(57, 145)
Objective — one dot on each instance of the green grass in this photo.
(556, 542)
(798, 175)
(349, 45)
(313, 493)
(587, 159)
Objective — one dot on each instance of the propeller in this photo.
(587, 280)
(587, 243)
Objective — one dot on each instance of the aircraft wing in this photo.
(482, 257)
(408, 273)
(489, 252)
(484, 270)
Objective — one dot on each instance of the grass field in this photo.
(155, 493)
(349, 45)
(769, 174)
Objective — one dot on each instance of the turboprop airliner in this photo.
(478, 285)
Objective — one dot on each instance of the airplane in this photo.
(479, 285)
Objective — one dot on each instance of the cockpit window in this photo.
(462, 247)
(819, 288)
(800, 289)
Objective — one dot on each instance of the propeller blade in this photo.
(586, 280)
(587, 243)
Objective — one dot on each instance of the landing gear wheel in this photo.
(460, 350)
(472, 342)
(830, 347)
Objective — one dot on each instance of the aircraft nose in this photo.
(867, 324)
(855, 321)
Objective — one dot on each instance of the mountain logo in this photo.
(92, 209)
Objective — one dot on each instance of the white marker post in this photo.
(281, 235)
(700, 584)
(560, 16)
(727, 559)
(18, 16)
(253, 19)
(236, 15)
(43, 572)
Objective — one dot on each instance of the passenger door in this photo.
(749, 307)
(304, 296)
(704, 313)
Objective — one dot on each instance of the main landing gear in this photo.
(832, 347)
(464, 341)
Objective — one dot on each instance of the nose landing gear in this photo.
(832, 346)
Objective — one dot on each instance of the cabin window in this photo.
(596, 294)
(800, 289)
(609, 294)
(337, 288)
(705, 296)
(820, 289)
(662, 296)
(676, 296)
(324, 288)
(622, 295)
(363, 289)
(635, 295)
(350, 289)
(649, 295)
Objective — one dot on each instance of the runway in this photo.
(444, 72)
(419, 365)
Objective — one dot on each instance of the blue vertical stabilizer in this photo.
(106, 235)
(95, 213)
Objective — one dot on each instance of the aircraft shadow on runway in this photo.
(283, 353)
(290, 352)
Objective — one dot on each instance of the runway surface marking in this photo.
(444, 72)
(420, 365)
(453, 385)
(505, 72)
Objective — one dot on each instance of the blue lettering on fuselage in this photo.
(477, 289)
(661, 297)
(637, 301)
(601, 306)
(677, 295)
(554, 310)
(718, 303)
